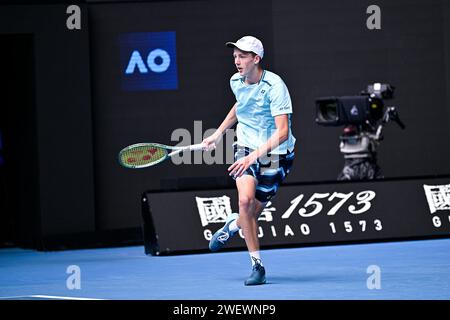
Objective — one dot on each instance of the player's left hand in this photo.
(238, 168)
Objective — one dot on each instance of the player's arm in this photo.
(280, 135)
(227, 123)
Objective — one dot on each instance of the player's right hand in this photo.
(211, 142)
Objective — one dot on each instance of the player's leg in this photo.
(232, 224)
(259, 207)
(222, 236)
(249, 211)
(247, 221)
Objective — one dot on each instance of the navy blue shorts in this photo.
(269, 171)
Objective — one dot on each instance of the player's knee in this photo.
(246, 202)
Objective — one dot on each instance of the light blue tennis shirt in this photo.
(257, 105)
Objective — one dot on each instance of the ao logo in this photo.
(148, 61)
(158, 60)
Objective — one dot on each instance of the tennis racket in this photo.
(142, 155)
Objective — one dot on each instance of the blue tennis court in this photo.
(406, 270)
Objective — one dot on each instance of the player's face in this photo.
(245, 62)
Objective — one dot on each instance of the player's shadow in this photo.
(278, 279)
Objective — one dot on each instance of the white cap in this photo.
(249, 44)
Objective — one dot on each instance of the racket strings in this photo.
(142, 155)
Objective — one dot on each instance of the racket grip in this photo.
(196, 147)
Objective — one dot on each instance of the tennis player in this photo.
(264, 150)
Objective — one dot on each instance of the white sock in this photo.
(233, 226)
(255, 257)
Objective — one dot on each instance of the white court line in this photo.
(49, 297)
(14, 297)
(63, 298)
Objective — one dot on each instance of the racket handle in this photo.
(196, 147)
(193, 147)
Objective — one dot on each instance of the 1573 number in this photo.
(314, 205)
